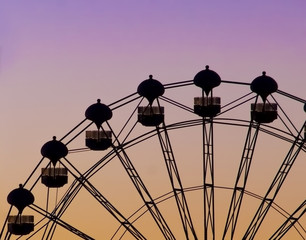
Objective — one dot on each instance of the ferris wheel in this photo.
(172, 161)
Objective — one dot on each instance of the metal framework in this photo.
(289, 223)
(143, 191)
(53, 219)
(208, 179)
(106, 204)
(275, 186)
(241, 180)
(60, 222)
(176, 183)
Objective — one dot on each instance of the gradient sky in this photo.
(57, 57)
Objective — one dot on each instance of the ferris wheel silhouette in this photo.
(168, 170)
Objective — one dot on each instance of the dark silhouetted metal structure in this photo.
(148, 120)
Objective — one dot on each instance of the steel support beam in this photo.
(208, 179)
(176, 183)
(241, 180)
(275, 186)
(142, 190)
(290, 221)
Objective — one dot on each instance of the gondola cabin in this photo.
(207, 106)
(20, 225)
(150, 115)
(54, 177)
(264, 113)
(98, 140)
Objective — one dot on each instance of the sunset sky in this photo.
(58, 57)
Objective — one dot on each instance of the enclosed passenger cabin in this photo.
(264, 113)
(54, 177)
(150, 115)
(20, 225)
(207, 106)
(98, 140)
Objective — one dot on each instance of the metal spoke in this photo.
(294, 217)
(241, 181)
(142, 190)
(60, 222)
(208, 179)
(275, 186)
(176, 183)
